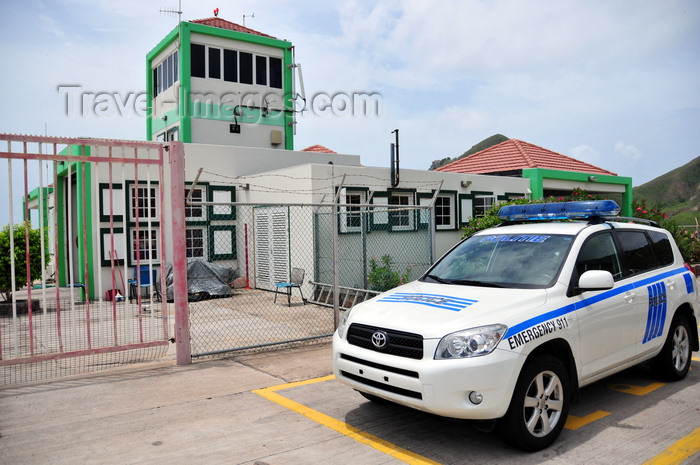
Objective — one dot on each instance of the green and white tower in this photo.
(211, 81)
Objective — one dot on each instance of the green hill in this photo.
(484, 144)
(678, 193)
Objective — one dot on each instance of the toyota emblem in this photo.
(379, 339)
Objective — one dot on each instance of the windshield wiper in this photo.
(469, 282)
(464, 282)
(438, 279)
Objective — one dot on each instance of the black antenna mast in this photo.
(394, 174)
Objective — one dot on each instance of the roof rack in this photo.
(586, 209)
(631, 219)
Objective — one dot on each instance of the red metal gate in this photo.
(92, 216)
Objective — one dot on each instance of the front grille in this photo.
(380, 366)
(385, 387)
(398, 343)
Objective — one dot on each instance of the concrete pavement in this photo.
(160, 412)
(225, 412)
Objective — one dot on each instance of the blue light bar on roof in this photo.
(559, 211)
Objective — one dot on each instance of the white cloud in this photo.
(447, 41)
(585, 153)
(628, 151)
(556, 73)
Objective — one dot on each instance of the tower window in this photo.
(222, 63)
(246, 68)
(156, 81)
(230, 65)
(198, 61)
(276, 72)
(175, 66)
(165, 74)
(214, 63)
(261, 70)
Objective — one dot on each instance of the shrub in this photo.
(654, 213)
(6, 285)
(382, 278)
(688, 241)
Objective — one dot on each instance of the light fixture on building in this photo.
(465, 184)
(235, 128)
(592, 178)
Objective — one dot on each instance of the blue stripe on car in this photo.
(446, 302)
(657, 311)
(590, 301)
(688, 283)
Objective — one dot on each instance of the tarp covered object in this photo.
(204, 280)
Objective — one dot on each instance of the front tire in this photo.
(673, 362)
(539, 406)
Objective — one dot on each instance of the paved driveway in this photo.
(281, 408)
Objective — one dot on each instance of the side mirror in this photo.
(596, 280)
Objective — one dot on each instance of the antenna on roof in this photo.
(250, 16)
(172, 11)
(394, 163)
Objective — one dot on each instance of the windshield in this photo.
(503, 260)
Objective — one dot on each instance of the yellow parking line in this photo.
(636, 390)
(339, 426)
(678, 451)
(573, 422)
(673, 455)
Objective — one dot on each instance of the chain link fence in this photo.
(264, 275)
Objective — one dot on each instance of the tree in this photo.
(491, 219)
(6, 285)
(438, 163)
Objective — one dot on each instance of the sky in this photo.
(615, 83)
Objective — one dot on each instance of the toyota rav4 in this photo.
(513, 320)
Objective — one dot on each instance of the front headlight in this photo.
(343, 324)
(472, 342)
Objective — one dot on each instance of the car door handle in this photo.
(629, 296)
(670, 284)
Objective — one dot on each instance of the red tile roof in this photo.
(513, 155)
(318, 148)
(223, 24)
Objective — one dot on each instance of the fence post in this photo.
(336, 271)
(336, 287)
(177, 198)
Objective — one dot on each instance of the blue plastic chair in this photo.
(144, 277)
(295, 281)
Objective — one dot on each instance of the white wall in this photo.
(275, 176)
(233, 161)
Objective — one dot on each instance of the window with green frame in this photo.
(392, 210)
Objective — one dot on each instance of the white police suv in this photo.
(513, 320)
